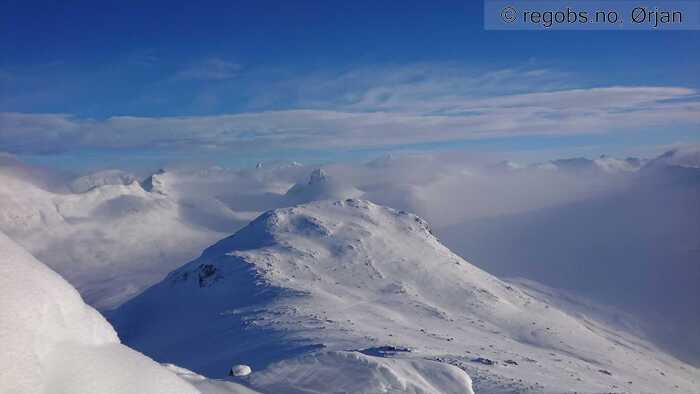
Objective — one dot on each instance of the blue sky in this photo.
(90, 84)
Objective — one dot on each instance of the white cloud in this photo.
(416, 87)
(396, 121)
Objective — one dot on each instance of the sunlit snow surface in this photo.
(329, 281)
(51, 342)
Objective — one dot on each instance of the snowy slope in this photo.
(110, 242)
(326, 282)
(644, 238)
(101, 178)
(112, 237)
(355, 372)
(53, 343)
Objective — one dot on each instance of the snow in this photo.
(113, 237)
(354, 372)
(111, 241)
(53, 343)
(209, 386)
(351, 285)
(319, 283)
(240, 370)
(101, 178)
(642, 238)
(320, 186)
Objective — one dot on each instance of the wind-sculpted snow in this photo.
(354, 372)
(51, 342)
(320, 281)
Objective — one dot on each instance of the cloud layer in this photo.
(395, 119)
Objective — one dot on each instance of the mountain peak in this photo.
(101, 178)
(320, 186)
(156, 182)
(351, 276)
(317, 176)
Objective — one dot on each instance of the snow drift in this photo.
(354, 372)
(53, 343)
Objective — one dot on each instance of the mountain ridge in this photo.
(352, 276)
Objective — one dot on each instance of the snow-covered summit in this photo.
(333, 279)
(317, 176)
(155, 183)
(101, 178)
(320, 186)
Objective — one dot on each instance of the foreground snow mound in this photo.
(353, 372)
(354, 276)
(53, 343)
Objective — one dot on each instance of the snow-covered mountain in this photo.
(110, 241)
(101, 178)
(112, 237)
(53, 343)
(314, 295)
(319, 187)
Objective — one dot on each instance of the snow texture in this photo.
(331, 282)
(53, 343)
(110, 241)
